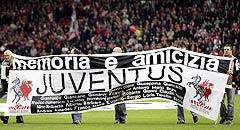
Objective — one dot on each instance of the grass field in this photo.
(137, 120)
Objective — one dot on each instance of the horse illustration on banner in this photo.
(21, 89)
(203, 89)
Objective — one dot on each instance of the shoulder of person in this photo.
(5, 62)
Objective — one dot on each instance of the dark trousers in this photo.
(76, 117)
(180, 114)
(228, 112)
(120, 113)
(4, 86)
(18, 118)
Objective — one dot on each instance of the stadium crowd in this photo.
(42, 27)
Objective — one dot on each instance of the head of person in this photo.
(7, 55)
(117, 50)
(75, 51)
(227, 50)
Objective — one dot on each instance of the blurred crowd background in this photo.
(46, 27)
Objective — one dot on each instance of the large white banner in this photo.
(70, 83)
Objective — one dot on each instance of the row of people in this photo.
(120, 109)
(226, 114)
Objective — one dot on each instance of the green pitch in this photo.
(137, 120)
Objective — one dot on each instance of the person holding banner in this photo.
(181, 118)
(6, 66)
(228, 113)
(76, 117)
(120, 109)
